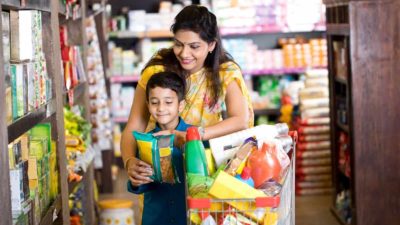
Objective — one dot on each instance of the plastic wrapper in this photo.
(157, 152)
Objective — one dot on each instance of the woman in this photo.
(214, 83)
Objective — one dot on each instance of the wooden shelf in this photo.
(343, 127)
(341, 80)
(267, 112)
(41, 5)
(125, 78)
(78, 92)
(336, 214)
(27, 122)
(11, 4)
(62, 9)
(52, 212)
(338, 29)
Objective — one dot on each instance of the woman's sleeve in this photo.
(229, 72)
(147, 73)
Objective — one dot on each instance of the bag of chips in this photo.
(157, 152)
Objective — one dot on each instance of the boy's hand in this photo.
(180, 136)
(139, 172)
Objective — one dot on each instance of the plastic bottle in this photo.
(264, 164)
(245, 176)
(195, 157)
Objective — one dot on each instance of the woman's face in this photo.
(191, 50)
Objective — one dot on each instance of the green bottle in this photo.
(195, 156)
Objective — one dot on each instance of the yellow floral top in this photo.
(197, 109)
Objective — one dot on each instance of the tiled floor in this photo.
(310, 210)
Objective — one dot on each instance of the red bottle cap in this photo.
(192, 134)
(245, 173)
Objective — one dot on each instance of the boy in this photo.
(164, 203)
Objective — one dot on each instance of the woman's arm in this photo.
(138, 171)
(238, 114)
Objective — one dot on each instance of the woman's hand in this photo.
(180, 136)
(138, 171)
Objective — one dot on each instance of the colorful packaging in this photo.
(157, 151)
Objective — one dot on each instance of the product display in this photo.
(313, 156)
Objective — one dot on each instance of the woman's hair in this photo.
(201, 21)
(168, 80)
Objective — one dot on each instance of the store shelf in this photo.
(338, 29)
(62, 9)
(78, 92)
(336, 214)
(10, 4)
(343, 126)
(267, 112)
(142, 34)
(52, 212)
(42, 5)
(120, 119)
(27, 122)
(341, 80)
(124, 78)
(233, 31)
(278, 71)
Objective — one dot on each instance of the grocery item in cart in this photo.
(237, 163)
(225, 147)
(195, 156)
(157, 152)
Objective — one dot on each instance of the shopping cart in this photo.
(261, 210)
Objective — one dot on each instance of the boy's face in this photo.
(165, 107)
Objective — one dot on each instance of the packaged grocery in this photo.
(157, 152)
(236, 165)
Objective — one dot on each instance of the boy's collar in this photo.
(180, 125)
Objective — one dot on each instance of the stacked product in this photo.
(73, 70)
(295, 53)
(28, 85)
(299, 53)
(122, 98)
(78, 143)
(123, 62)
(313, 172)
(99, 111)
(33, 174)
(274, 15)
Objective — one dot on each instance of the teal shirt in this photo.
(165, 204)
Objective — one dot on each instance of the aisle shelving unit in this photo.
(52, 112)
(363, 46)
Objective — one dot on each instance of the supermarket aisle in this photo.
(120, 192)
(314, 210)
(310, 210)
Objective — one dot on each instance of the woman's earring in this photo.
(210, 52)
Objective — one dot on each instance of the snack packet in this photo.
(157, 151)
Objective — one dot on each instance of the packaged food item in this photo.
(198, 185)
(157, 151)
(236, 165)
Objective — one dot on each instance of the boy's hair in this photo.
(168, 80)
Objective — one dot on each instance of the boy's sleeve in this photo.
(140, 189)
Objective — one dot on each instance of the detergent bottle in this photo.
(195, 157)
